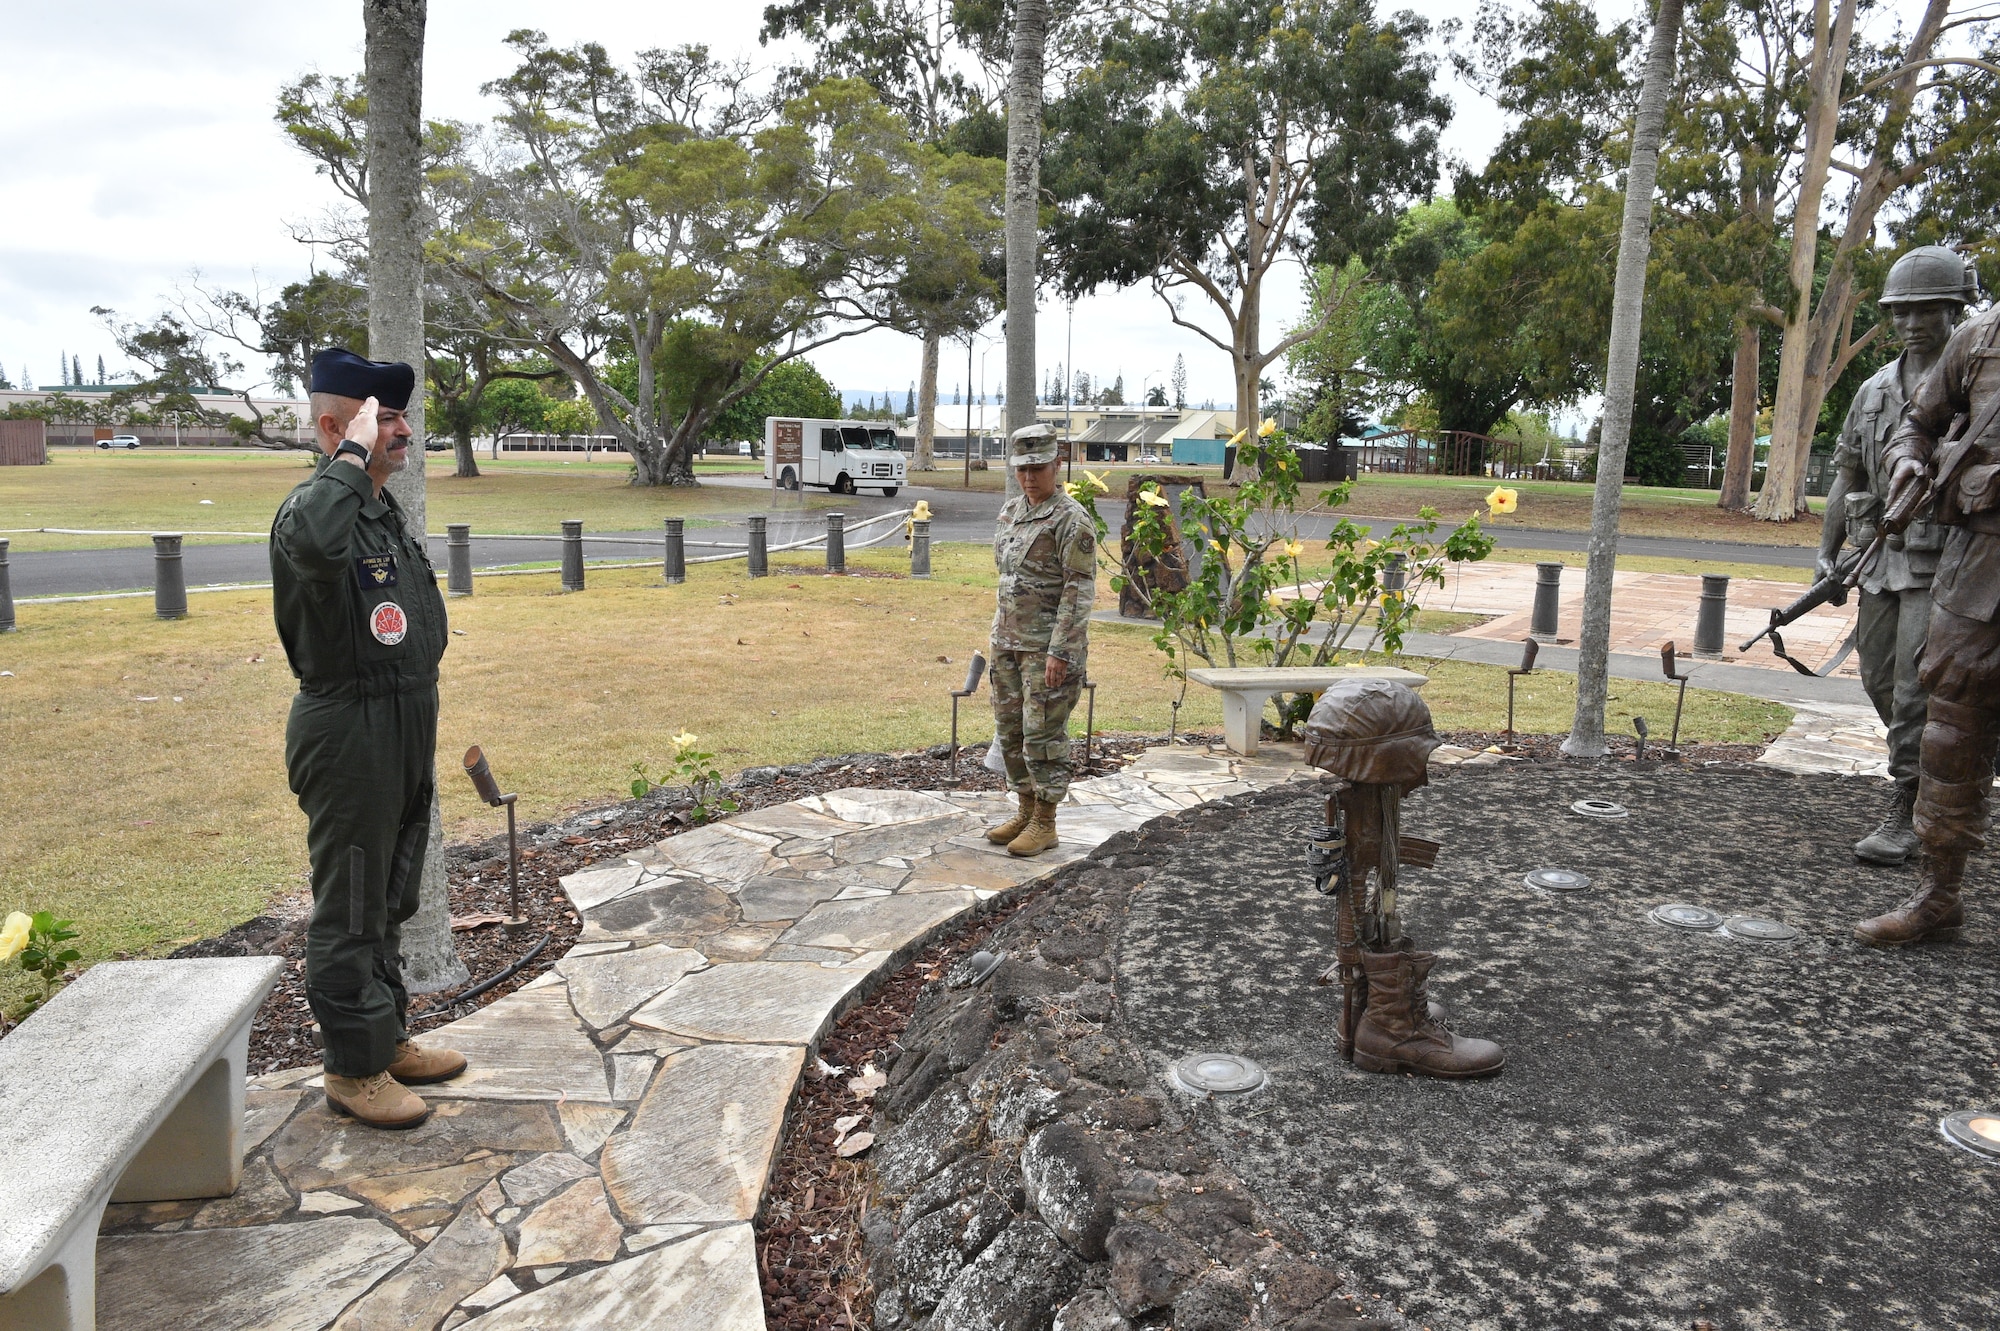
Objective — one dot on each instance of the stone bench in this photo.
(126, 1087)
(1245, 689)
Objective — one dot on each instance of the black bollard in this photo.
(674, 566)
(170, 598)
(572, 556)
(760, 558)
(836, 543)
(920, 549)
(458, 558)
(1708, 618)
(6, 591)
(1548, 594)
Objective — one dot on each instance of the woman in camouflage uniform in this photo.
(1046, 549)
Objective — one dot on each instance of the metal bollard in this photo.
(6, 591)
(458, 559)
(674, 567)
(920, 549)
(1548, 594)
(170, 598)
(836, 543)
(572, 559)
(760, 558)
(1708, 618)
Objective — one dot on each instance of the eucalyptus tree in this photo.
(669, 211)
(1208, 141)
(937, 63)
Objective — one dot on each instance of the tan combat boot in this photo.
(1398, 1035)
(1039, 834)
(1933, 914)
(1010, 829)
(379, 1101)
(418, 1066)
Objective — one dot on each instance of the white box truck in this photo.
(841, 456)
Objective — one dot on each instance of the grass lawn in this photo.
(145, 783)
(163, 491)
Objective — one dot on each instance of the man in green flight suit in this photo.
(1046, 549)
(363, 626)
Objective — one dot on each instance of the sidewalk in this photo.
(600, 1162)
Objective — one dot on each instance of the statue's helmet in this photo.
(1374, 731)
(1930, 272)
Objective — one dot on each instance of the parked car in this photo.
(119, 441)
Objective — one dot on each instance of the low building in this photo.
(83, 413)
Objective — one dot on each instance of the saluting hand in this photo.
(365, 430)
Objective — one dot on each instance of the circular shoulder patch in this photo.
(388, 623)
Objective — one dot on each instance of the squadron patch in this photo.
(375, 571)
(388, 623)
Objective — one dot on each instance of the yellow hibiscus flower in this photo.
(685, 740)
(1096, 479)
(1240, 435)
(1267, 429)
(1152, 499)
(1295, 548)
(14, 935)
(1501, 500)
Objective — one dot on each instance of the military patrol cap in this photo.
(339, 371)
(1032, 445)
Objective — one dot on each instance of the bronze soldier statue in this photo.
(1947, 453)
(1376, 736)
(1927, 290)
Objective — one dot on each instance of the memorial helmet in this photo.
(1374, 731)
(1930, 272)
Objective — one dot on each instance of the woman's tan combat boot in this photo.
(379, 1101)
(1039, 834)
(1013, 827)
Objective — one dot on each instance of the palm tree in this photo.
(396, 228)
(1628, 303)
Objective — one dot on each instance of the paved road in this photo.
(957, 515)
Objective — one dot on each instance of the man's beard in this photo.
(398, 462)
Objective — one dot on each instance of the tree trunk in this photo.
(468, 462)
(1791, 430)
(1024, 196)
(1621, 373)
(396, 226)
(926, 459)
(1740, 463)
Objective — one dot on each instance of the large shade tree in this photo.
(1209, 141)
(666, 211)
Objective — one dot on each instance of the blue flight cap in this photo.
(338, 370)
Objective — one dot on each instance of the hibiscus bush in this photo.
(1256, 598)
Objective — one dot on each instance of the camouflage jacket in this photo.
(1871, 420)
(1047, 557)
(1963, 381)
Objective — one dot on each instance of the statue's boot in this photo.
(1039, 834)
(1933, 914)
(1895, 840)
(1397, 1032)
(1012, 828)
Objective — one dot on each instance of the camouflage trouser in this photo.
(1961, 667)
(1032, 721)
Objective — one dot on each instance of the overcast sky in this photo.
(140, 147)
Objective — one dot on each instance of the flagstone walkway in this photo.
(600, 1162)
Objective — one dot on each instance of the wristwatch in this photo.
(348, 446)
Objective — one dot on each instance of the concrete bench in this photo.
(1245, 689)
(126, 1087)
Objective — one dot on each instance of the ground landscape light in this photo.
(1598, 808)
(1557, 880)
(1218, 1074)
(1682, 915)
(1974, 1130)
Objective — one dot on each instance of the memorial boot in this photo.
(1397, 1033)
(1039, 834)
(379, 1101)
(1895, 840)
(418, 1066)
(1933, 914)
(1013, 827)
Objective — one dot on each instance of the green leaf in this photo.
(638, 787)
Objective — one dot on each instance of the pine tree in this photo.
(100, 371)
(1180, 383)
(76, 370)
(4, 385)
(910, 402)
(62, 368)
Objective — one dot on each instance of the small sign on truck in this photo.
(841, 456)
